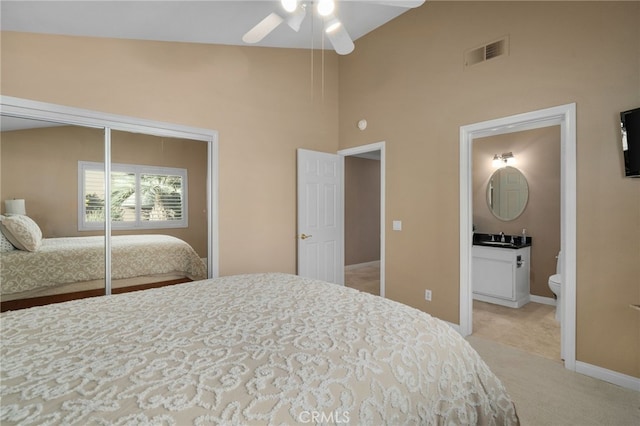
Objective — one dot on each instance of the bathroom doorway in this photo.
(535, 162)
(564, 116)
(364, 217)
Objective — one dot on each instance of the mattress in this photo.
(247, 349)
(62, 261)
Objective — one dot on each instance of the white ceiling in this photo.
(217, 22)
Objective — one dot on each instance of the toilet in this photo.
(554, 284)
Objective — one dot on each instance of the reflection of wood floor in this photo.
(13, 305)
(531, 328)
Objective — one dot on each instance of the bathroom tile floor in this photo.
(531, 328)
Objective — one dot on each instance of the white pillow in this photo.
(22, 232)
(5, 244)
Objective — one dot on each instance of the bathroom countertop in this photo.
(480, 239)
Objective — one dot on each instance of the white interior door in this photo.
(320, 216)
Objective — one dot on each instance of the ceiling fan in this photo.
(295, 11)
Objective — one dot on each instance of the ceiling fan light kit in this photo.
(289, 5)
(326, 7)
(297, 16)
(297, 10)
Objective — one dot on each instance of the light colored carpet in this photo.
(363, 277)
(531, 328)
(522, 347)
(545, 393)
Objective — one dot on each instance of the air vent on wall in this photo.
(488, 51)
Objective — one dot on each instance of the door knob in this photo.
(305, 236)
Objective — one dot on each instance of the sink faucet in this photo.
(502, 237)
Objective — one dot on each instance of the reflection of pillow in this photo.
(22, 231)
(5, 245)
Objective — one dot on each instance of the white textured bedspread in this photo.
(249, 349)
(75, 259)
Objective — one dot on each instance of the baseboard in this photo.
(544, 300)
(456, 327)
(362, 265)
(503, 302)
(623, 380)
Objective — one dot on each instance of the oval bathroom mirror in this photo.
(507, 193)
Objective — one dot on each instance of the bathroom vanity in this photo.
(500, 273)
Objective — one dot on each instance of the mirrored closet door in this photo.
(153, 223)
(39, 198)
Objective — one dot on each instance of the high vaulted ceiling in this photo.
(217, 22)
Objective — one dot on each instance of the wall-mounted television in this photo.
(630, 126)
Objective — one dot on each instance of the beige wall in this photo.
(407, 79)
(537, 153)
(135, 148)
(260, 100)
(362, 210)
(41, 166)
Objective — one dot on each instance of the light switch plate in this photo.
(397, 225)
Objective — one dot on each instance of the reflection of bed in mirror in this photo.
(74, 267)
(41, 161)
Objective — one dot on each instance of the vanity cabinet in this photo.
(501, 275)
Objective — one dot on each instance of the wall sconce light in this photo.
(504, 160)
(14, 207)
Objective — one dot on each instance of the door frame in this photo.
(377, 146)
(565, 117)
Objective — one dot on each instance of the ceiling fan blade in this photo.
(339, 37)
(400, 3)
(262, 28)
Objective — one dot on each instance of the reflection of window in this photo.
(141, 196)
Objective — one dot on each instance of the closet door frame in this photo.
(29, 109)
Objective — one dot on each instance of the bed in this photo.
(74, 266)
(249, 349)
